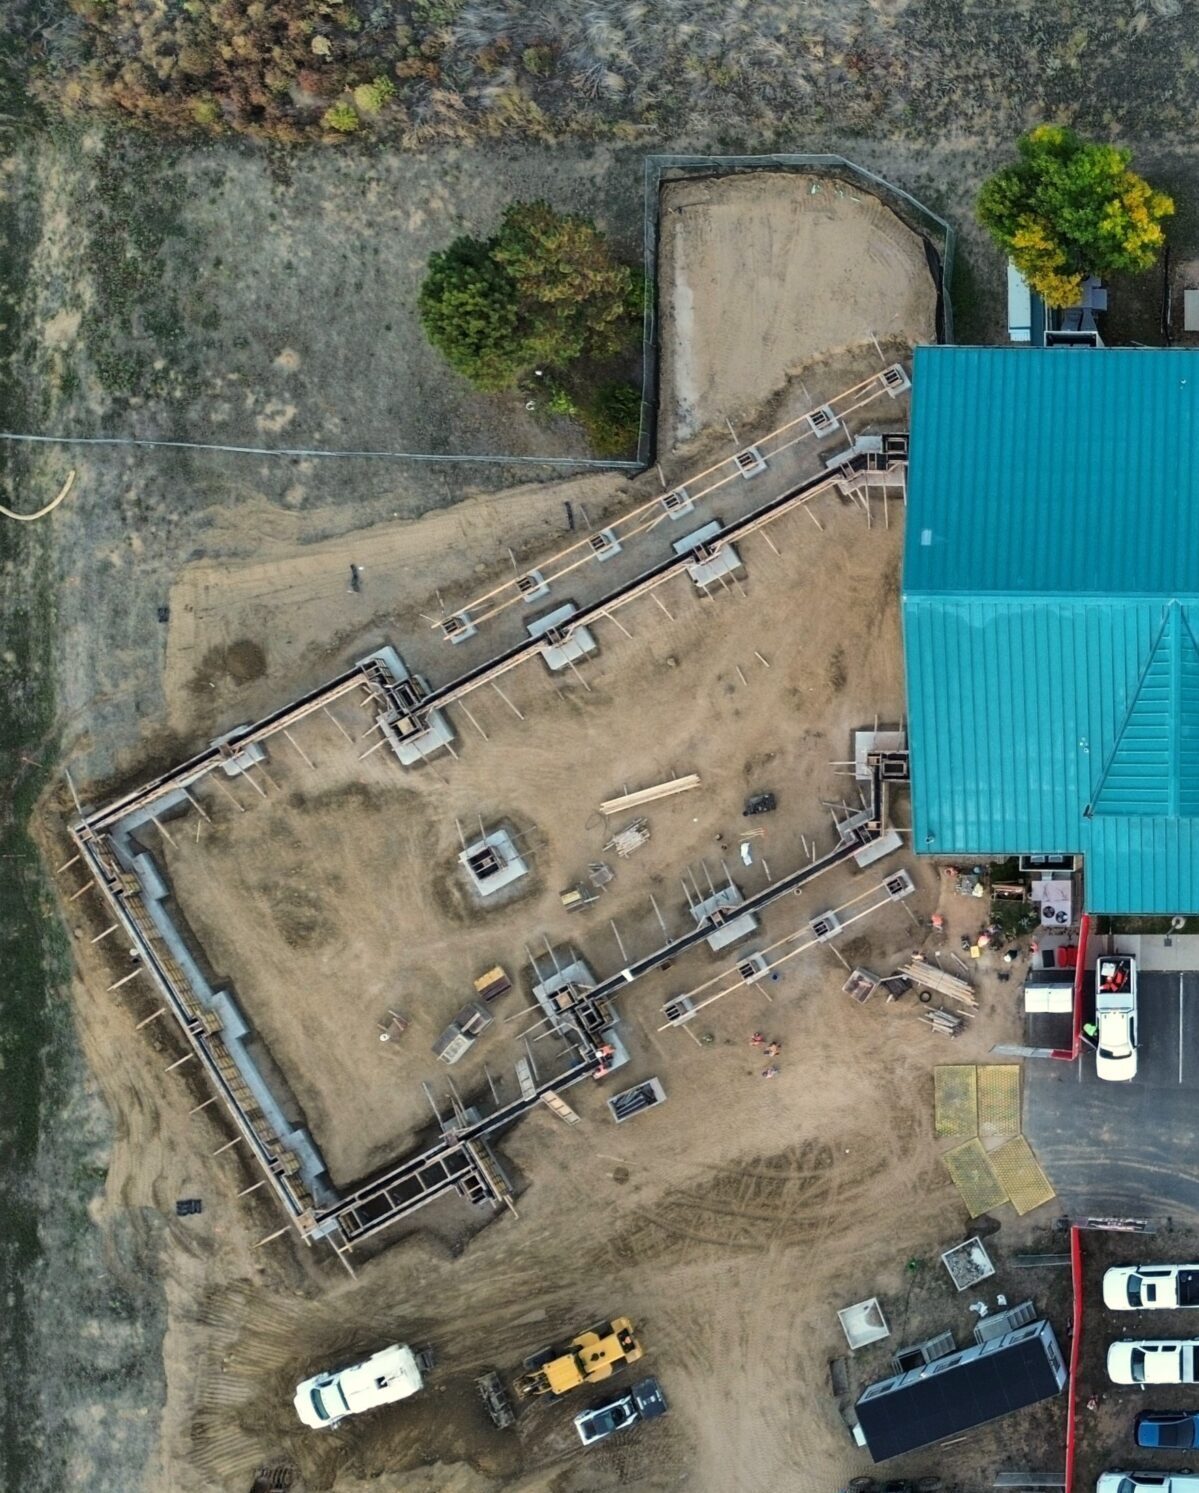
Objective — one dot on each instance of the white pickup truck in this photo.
(1133, 1288)
(1160, 1361)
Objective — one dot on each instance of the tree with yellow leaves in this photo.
(1067, 209)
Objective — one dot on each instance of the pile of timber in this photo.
(649, 795)
(948, 1023)
(922, 971)
(631, 838)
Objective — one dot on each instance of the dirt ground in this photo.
(820, 267)
(731, 1222)
(340, 894)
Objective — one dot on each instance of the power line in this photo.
(460, 459)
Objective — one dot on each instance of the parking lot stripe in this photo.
(1180, 1027)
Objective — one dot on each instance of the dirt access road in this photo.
(727, 1224)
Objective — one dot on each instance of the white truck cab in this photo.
(389, 1375)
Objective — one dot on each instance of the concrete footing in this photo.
(564, 645)
(492, 863)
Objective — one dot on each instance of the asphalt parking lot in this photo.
(1128, 1149)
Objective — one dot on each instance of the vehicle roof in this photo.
(1114, 1028)
(390, 1374)
(1159, 1358)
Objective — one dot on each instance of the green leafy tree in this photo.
(574, 296)
(546, 290)
(468, 308)
(1068, 208)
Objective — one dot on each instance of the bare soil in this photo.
(340, 894)
(819, 266)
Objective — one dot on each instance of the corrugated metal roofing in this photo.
(1051, 610)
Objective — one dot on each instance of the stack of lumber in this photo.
(922, 971)
(948, 1023)
(649, 795)
(629, 839)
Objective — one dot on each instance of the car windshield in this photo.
(319, 1406)
(1134, 1290)
(1138, 1365)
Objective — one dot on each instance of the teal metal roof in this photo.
(1051, 613)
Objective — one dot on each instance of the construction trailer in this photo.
(961, 1390)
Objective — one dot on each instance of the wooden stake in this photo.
(612, 617)
(336, 722)
(228, 792)
(253, 1187)
(197, 805)
(179, 1062)
(112, 928)
(771, 543)
(228, 1146)
(382, 742)
(66, 865)
(205, 1105)
(662, 604)
(257, 787)
(506, 700)
(764, 662)
(164, 832)
(87, 886)
(813, 517)
(471, 719)
(298, 747)
(149, 1019)
(133, 974)
(577, 675)
(278, 1234)
(741, 675)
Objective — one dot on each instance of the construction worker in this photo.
(757, 1039)
(773, 1049)
(771, 1072)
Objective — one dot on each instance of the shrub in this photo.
(370, 97)
(1067, 209)
(341, 117)
(538, 60)
(612, 419)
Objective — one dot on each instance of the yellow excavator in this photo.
(595, 1354)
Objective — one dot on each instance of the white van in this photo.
(389, 1375)
(1150, 1482)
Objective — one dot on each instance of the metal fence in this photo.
(936, 233)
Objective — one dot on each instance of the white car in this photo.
(1159, 1482)
(389, 1375)
(1116, 1018)
(1153, 1362)
(1130, 1288)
